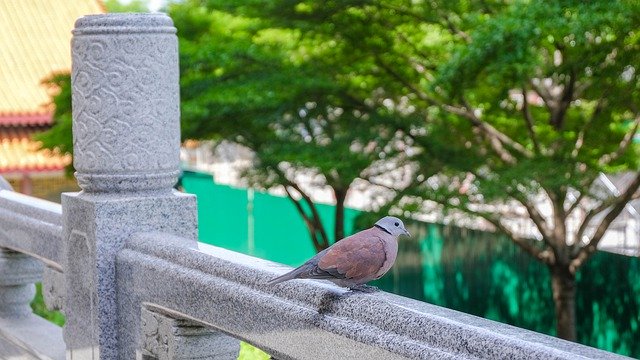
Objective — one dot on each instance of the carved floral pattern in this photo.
(154, 341)
(125, 104)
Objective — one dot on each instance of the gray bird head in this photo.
(392, 225)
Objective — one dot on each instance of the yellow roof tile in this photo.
(33, 45)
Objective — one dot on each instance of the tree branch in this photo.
(493, 132)
(493, 135)
(529, 120)
(318, 244)
(313, 222)
(623, 146)
(619, 204)
(523, 243)
(582, 195)
(544, 94)
(557, 114)
(453, 29)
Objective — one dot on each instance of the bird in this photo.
(356, 259)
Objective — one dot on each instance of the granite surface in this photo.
(31, 226)
(306, 319)
(126, 131)
(30, 337)
(126, 106)
(18, 273)
(167, 338)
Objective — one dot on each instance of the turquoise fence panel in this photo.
(280, 233)
(255, 222)
(222, 212)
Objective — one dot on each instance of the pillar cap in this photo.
(129, 23)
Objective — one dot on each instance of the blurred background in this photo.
(504, 133)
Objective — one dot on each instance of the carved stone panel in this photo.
(166, 338)
(53, 289)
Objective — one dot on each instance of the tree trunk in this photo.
(563, 284)
(338, 230)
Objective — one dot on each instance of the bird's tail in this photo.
(293, 274)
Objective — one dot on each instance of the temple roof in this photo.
(20, 154)
(35, 43)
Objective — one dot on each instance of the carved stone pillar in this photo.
(126, 151)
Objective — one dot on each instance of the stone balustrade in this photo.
(122, 261)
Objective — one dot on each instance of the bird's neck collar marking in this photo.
(383, 229)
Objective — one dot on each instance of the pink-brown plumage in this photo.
(356, 259)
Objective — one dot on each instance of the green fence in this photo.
(471, 271)
(254, 222)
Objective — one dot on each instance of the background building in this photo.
(35, 44)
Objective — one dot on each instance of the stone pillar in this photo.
(18, 273)
(126, 137)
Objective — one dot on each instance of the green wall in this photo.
(227, 217)
(471, 271)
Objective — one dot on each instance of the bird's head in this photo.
(392, 225)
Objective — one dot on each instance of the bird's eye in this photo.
(396, 224)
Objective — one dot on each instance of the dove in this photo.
(356, 259)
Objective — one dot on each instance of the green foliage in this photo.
(59, 136)
(39, 308)
(286, 92)
(275, 91)
(251, 67)
(133, 6)
(248, 352)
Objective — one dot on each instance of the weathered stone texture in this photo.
(125, 102)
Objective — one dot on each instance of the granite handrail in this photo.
(32, 226)
(30, 229)
(305, 319)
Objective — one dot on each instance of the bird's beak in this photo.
(406, 232)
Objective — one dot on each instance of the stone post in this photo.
(126, 136)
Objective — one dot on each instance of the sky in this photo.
(154, 5)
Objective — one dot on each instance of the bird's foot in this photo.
(364, 288)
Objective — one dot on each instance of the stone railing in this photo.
(121, 260)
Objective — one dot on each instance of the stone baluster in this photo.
(126, 151)
(18, 273)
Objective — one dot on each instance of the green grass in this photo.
(249, 352)
(38, 307)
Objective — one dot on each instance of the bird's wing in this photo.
(355, 257)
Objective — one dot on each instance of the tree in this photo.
(508, 106)
(274, 91)
(134, 6)
(577, 59)
(59, 136)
